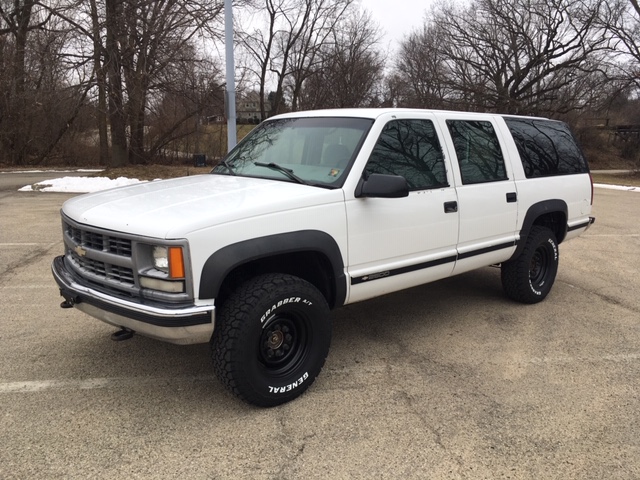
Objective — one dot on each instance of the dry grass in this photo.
(152, 172)
(631, 179)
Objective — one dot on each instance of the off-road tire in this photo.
(529, 277)
(271, 339)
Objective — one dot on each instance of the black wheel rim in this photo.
(539, 266)
(283, 343)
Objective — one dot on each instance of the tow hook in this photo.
(66, 304)
(122, 334)
(69, 301)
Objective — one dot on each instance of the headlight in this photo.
(161, 258)
(169, 260)
(164, 269)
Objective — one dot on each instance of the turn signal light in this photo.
(176, 262)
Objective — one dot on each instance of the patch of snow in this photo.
(617, 187)
(79, 184)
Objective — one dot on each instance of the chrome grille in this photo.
(104, 270)
(101, 257)
(99, 241)
(121, 274)
(119, 246)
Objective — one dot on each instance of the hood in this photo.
(174, 208)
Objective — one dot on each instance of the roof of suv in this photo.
(377, 112)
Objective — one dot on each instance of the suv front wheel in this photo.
(271, 339)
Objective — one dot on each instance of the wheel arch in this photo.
(552, 214)
(309, 254)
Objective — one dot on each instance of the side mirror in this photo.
(378, 185)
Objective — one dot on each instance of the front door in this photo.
(395, 243)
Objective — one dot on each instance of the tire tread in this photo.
(231, 324)
(515, 272)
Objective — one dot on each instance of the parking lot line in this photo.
(97, 383)
(21, 287)
(49, 244)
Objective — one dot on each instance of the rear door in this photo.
(486, 191)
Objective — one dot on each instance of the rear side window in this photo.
(546, 147)
(410, 148)
(478, 151)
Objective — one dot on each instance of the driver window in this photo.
(410, 148)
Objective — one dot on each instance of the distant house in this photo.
(248, 108)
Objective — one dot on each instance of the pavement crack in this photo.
(24, 261)
(296, 447)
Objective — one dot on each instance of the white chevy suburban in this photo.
(315, 210)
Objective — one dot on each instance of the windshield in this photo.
(314, 151)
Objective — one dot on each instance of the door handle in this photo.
(512, 197)
(450, 207)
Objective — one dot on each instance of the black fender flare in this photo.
(222, 262)
(534, 212)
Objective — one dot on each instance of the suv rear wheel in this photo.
(529, 277)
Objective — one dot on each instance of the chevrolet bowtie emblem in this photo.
(80, 251)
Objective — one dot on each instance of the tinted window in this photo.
(478, 151)
(410, 148)
(546, 147)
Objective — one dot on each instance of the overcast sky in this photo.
(397, 17)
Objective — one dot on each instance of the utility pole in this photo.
(230, 92)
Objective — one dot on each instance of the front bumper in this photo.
(181, 325)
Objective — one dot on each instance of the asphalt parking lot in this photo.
(445, 381)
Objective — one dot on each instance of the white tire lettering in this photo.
(291, 386)
(280, 303)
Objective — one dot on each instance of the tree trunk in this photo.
(17, 115)
(116, 102)
(137, 105)
(101, 83)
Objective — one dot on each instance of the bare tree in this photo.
(260, 45)
(149, 37)
(134, 44)
(18, 19)
(192, 91)
(350, 67)
(522, 56)
(285, 52)
(622, 18)
(43, 78)
(421, 78)
(324, 20)
(89, 24)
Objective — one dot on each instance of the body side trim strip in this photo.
(401, 270)
(481, 251)
(432, 263)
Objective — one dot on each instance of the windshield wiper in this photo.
(287, 171)
(225, 163)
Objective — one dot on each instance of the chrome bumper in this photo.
(180, 325)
